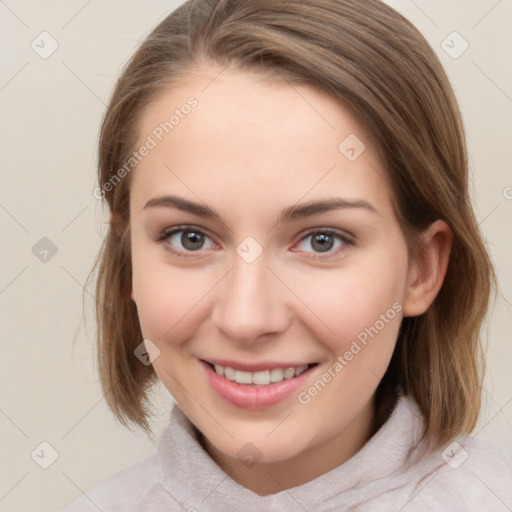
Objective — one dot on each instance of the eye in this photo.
(324, 241)
(185, 239)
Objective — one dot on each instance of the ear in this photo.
(426, 274)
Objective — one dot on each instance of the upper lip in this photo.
(256, 367)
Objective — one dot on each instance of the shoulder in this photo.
(120, 491)
(471, 474)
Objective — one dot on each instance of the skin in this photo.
(252, 147)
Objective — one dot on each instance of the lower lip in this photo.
(252, 396)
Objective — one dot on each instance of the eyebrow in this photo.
(290, 214)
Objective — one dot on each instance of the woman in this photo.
(293, 253)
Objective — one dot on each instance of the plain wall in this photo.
(51, 111)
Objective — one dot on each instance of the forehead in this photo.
(256, 133)
(230, 99)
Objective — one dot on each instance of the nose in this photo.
(250, 303)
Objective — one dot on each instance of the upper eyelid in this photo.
(186, 227)
(334, 231)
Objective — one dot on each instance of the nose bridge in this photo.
(249, 303)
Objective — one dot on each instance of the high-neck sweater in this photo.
(392, 472)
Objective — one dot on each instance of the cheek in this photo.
(354, 311)
(168, 298)
(359, 302)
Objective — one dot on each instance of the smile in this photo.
(261, 378)
(267, 385)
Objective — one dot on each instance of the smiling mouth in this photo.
(259, 378)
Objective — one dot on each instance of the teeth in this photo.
(300, 369)
(243, 377)
(276, 375)
(229, 373)
(262, 378)
(289, 373)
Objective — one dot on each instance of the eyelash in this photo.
(166, 234)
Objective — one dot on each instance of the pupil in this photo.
(322, 242)
(192, 240)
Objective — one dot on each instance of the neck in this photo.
(270, 477)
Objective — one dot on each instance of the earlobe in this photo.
(426, 274)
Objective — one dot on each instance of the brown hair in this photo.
(365, 55)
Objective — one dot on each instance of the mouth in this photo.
(263, 377)
(266, 386)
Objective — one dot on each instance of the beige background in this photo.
(51, 110)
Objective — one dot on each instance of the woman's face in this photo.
(285, 253)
